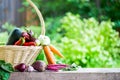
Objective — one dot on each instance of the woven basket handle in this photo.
(40, 17)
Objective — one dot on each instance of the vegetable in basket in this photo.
(30, 44)
(14, 36)
(29, 36)
(18, 37)
(21, 41)
(26, 39)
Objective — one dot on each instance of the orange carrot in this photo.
(54, 50)
(49, 55)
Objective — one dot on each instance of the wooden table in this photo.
(81, 74)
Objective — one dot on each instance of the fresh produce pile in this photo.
(39, 66)
(26, 38)
(21, 38)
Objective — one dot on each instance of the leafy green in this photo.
(7, 67)
(5, 70)
(89, 43)
(4, 75)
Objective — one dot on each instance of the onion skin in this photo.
(30, 69)
(21, 67)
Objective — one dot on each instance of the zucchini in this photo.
(14, 36)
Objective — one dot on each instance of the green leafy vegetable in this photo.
(89, 43)
(5, 70)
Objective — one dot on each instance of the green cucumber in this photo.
(14, 36)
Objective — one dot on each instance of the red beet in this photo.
(39, 65)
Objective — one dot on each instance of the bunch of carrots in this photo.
(49, 50)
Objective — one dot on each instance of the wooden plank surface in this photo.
(81, 74)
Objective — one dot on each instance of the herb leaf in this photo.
(7, 67)
(5, 70)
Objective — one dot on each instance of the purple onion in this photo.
(21, 67)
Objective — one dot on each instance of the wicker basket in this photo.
(19, 54)
(22, 54)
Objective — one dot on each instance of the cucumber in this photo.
(14, 36)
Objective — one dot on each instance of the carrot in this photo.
(54, 50)
(49, 55)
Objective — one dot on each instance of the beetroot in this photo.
(39, 65)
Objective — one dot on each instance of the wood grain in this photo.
(82, 74)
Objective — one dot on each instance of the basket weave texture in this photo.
(19, 54)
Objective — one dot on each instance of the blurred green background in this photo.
(85, 31)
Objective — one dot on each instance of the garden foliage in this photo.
(99, 9)
(85, 42)
(85, 39)
(89, 43)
